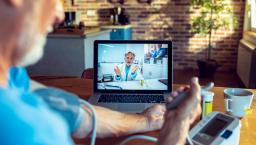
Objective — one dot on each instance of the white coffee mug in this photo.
(237, 101)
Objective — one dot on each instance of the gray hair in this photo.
(129, 53)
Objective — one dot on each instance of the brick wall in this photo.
(169, 20)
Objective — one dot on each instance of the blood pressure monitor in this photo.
(216, 129)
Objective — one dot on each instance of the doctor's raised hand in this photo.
(117, 71)
(135, 68)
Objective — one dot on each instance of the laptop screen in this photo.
(133, 66)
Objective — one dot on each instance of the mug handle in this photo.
(227, 106)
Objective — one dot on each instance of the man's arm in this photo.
(117, 75)
(113, 123)
(136, 74)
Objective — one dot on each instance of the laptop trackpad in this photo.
(131, 107)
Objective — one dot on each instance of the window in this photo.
(253, 14)
(250, 22)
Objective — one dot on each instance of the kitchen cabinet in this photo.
(68, 55)
(120, 32)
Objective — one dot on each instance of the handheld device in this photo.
(182, 96)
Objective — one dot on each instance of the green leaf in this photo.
(214, 15)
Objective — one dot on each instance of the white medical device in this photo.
(216, 129)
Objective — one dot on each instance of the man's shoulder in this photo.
(25, 112)
(134, 64)
(7, 95)
(13, 99)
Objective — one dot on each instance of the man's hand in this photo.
(178, 121)
(155, 117)
(117, 71)
(134, 69)
(191, 107)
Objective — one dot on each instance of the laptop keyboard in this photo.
(124, 98)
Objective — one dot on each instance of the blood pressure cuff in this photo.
(64, 103)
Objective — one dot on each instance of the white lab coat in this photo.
(123, 73)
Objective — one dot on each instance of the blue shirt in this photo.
(26, 119)
(161, 52)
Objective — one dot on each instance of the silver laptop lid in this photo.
(132, 66)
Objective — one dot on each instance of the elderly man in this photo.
(27, 120)
(128, 71)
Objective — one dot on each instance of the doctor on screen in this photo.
(128, 71)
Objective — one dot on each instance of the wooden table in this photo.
(84, 88)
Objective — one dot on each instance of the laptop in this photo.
(131, 75)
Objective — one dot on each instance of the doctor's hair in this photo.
(129, 52)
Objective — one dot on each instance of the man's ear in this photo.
(14, 3)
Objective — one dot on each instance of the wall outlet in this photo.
(91, 13)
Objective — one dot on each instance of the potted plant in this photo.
(214, 14)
